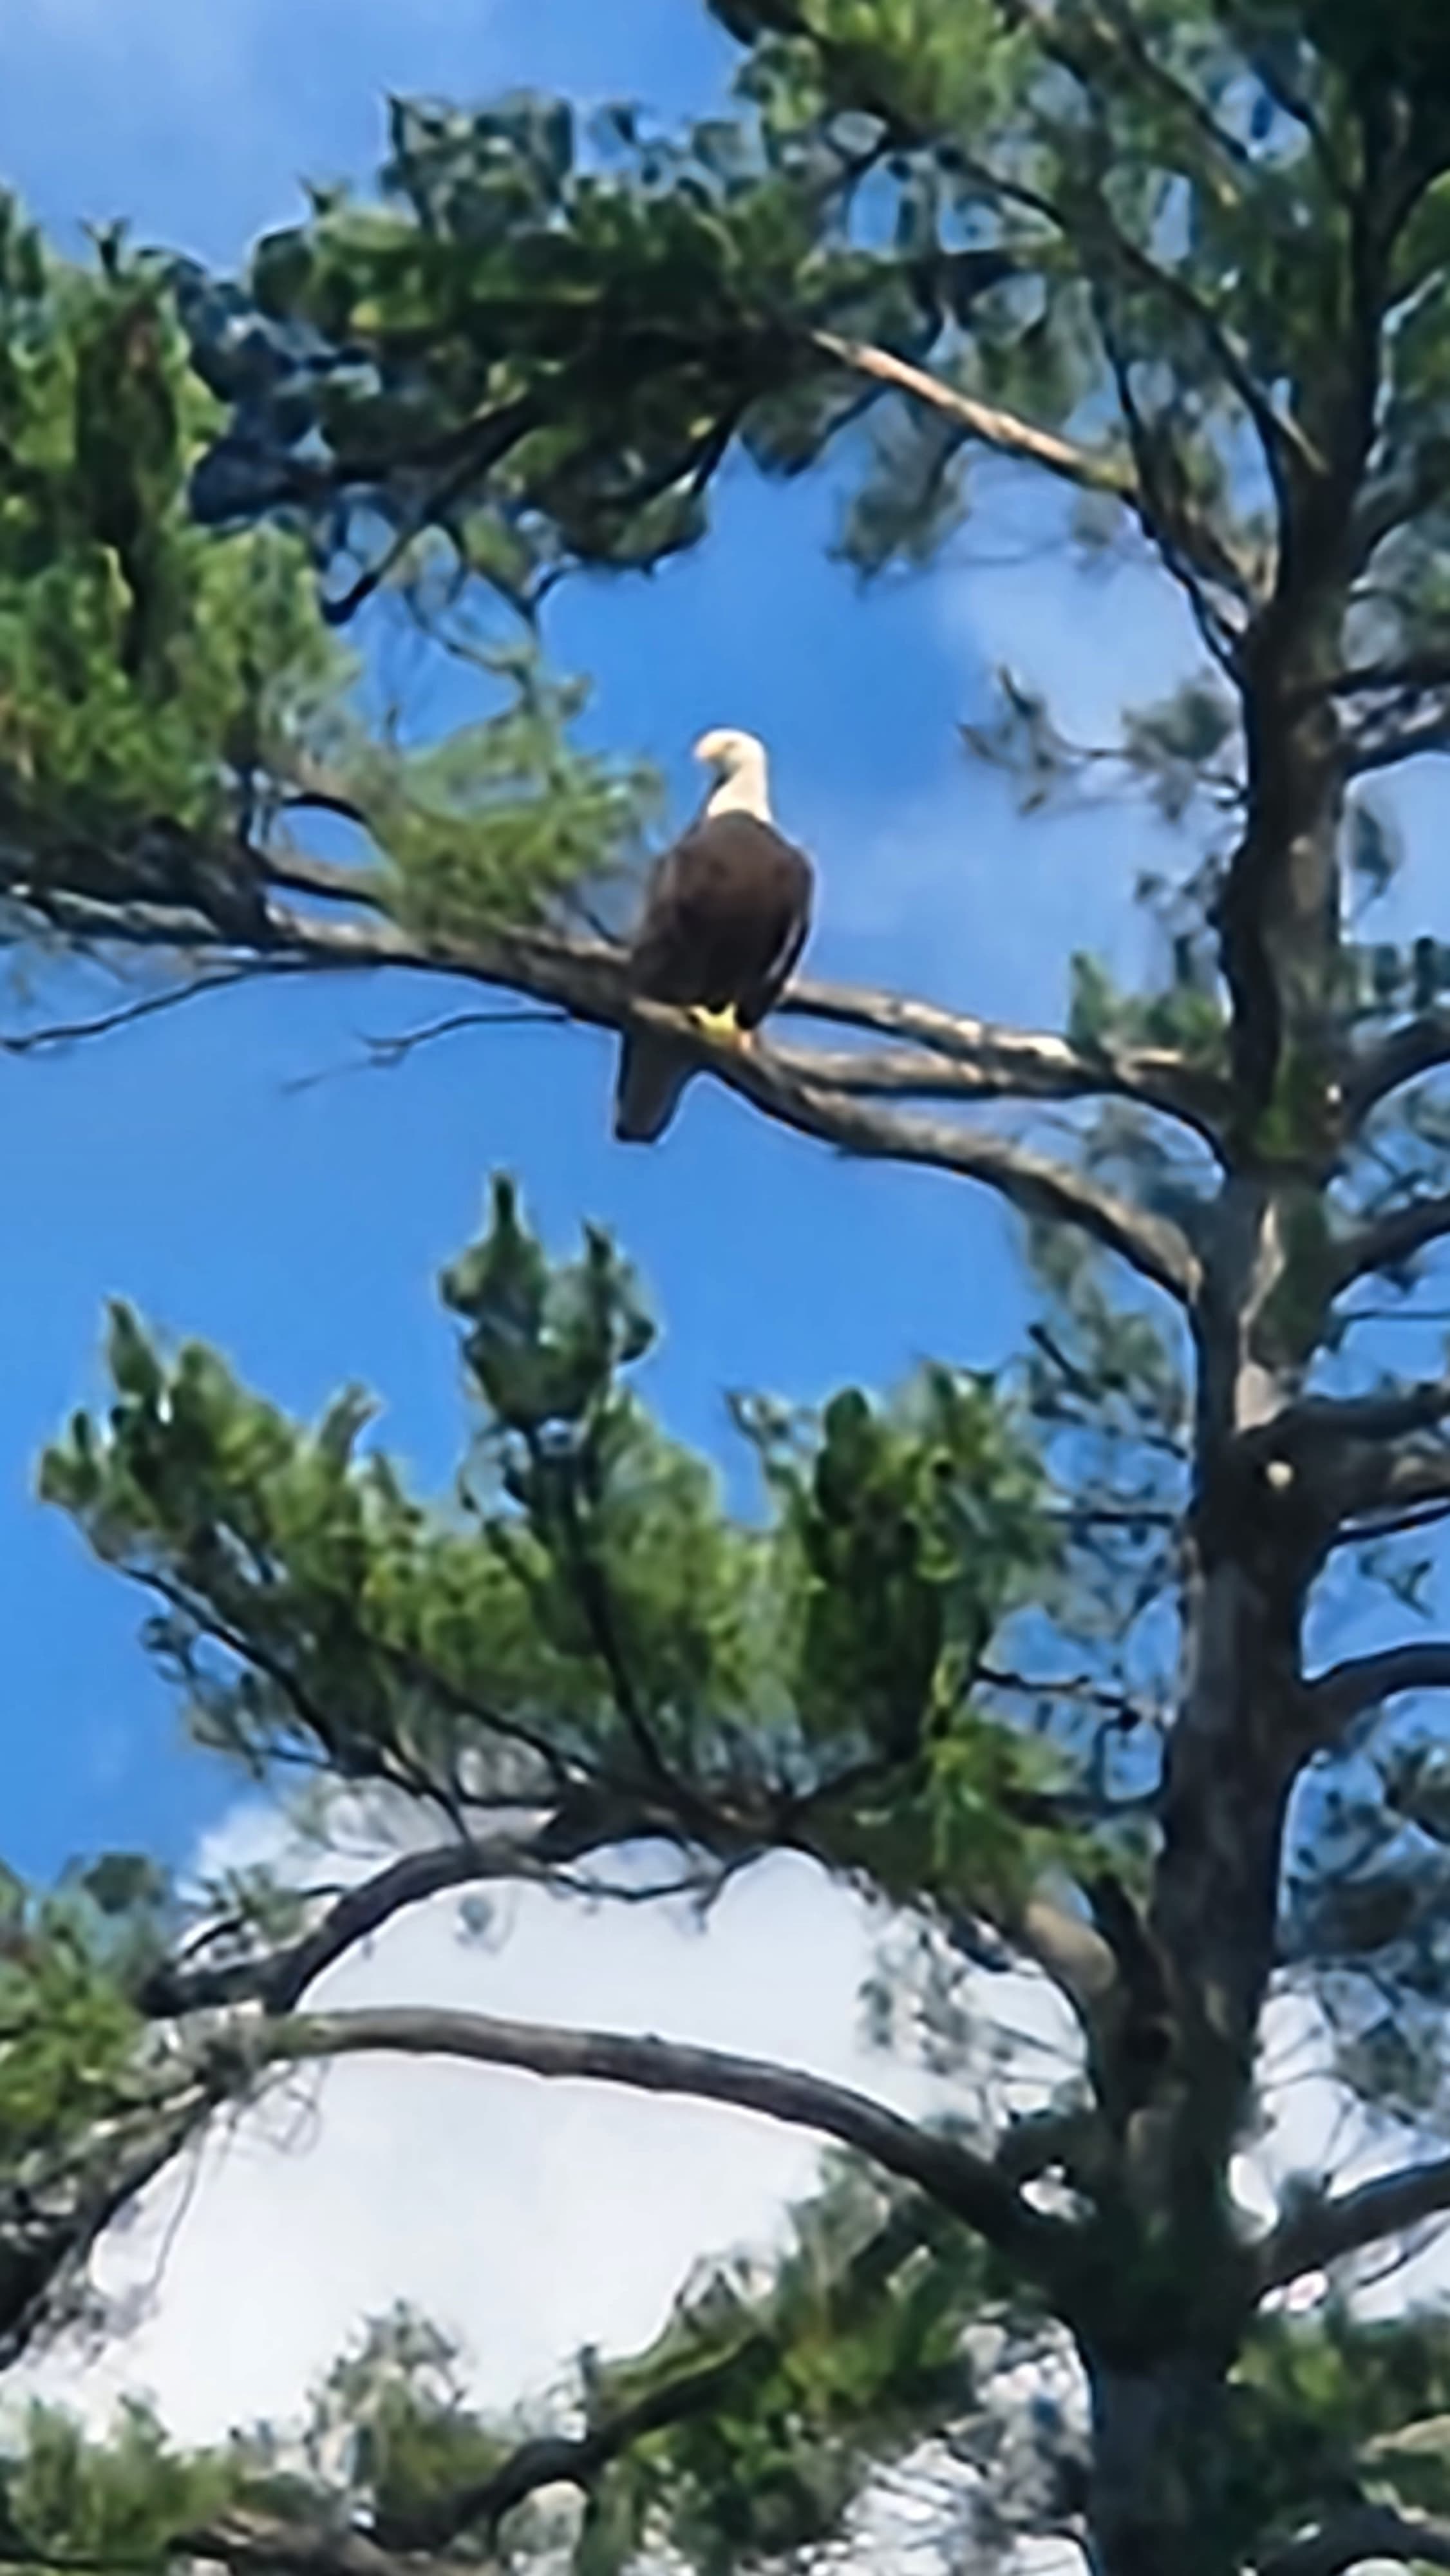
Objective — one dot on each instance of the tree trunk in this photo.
(1159, 2500)
(1169, 2296)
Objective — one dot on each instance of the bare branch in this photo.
(1002, 430)
(1357, 2533)
(1072, 1955)
(1391, 1413)
(332, 880)
(279, 1980)
(1033, 1183)
(1346, 1690)
(1381, 1525)
(587, 979)
(1411, 675)
(1417, 1047)
(1387, 1241)
(1026, 1064)
(952, 2174)
(1124, 41)
(147, 1006)
(1325, 2230)
(385, 1054)
(1188, 550)
(1365, 753)
(1283, 438)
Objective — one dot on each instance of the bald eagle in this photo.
(725, 919)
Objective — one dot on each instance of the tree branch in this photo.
(1325, 2230)
(1358, 2533)
(562, 2459)
(1365, 752)
(1033, 1183)
(145, 1006)
(262, 2544)
(266, 2543)
(1412, 675)
(1392, 1413)
(331, 879)
(587, 979)
(1389, 1240)
(1346, 1690)
(278, 1981)
(1189, 550)
(1417, 1047)
(50, 2222)
(1283, 438)
(1090, 471)
(1024, 1064)
(951, 2174)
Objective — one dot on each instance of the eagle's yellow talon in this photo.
(722, 1026)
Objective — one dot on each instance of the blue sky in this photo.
(302, 1230)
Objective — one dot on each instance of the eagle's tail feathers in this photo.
(652, 1075)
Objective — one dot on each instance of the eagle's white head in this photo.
(737, 763)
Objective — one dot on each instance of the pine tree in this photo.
(1033, 1662)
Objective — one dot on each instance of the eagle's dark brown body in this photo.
(725, 920)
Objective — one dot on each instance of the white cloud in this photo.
(527, 2217)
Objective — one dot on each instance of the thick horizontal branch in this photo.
(1410, 676)
(1377, 1488)
(1002, 430)
(587, 979)
(1382, 745)
(1324, 2231)
(1392, 1413)
(1337, 1697)
(1033, 1183)
(913, 1073)
(1027, 1064)
(1358, 2533)
(951, 2174)
(1417, 1047)
(1389, 1240)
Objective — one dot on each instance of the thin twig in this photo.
(63, 1033)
